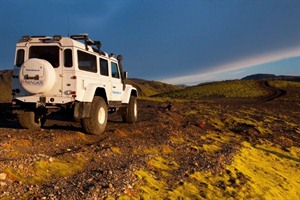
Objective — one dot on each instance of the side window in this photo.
(20, 57)
(86, 62)
(68, 58)
(114, 70)
(103, 67)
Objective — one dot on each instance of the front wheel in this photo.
(131, 111)
(97, 121)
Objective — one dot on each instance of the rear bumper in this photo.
(44, 99)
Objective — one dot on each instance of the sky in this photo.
(174, 41)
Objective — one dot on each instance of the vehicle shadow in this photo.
(7, 119)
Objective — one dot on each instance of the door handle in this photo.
(114, 86)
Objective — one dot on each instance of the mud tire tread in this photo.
(91, 125)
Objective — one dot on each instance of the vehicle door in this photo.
(116, 82)
(53, 54)
(105, 78)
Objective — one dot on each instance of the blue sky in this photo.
(175, 41)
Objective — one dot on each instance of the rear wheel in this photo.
(29, 120)
(97, 121)
(131, 111)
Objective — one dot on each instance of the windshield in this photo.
(49, 53)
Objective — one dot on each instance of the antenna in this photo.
(68, 26)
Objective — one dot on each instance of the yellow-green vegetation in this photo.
(153, 188)
(165, 150)
(293, 152)
(255, 173)
(227, 89)
(215, 141)
(270, 176)
(266, 167)
(293, 89)
(42, 170)
(116, 150)
(163, 163)
(177, 140)
(234, 122)
(285, 84)
(156, 188)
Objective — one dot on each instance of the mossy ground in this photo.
(207, 149)
(41, 171)
(264, 165)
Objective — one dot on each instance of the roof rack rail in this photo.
(88, 41)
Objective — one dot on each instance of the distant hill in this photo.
(222, 89)
(5, 85)
(271, 77)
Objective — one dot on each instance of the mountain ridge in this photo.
(271, 77)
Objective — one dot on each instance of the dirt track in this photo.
(168, 145)
(274, 92)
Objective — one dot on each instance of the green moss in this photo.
(43, 170)
(254, 174)
(268, 173)
(116, 150)
(211, 148)
(151, 151)
(152, 188)
(191, 112)
(276, 150)
(177, 140)
(184, 190)
(227, 89)
(285, 84)
(236, 123)
(163, 163)
(217, 123)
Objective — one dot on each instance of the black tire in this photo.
(131, 111)
(29, 120)
(97, 121)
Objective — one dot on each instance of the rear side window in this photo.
(103, 67)
(68, 58)
(49, 53)
(20, 57)
(86, 62)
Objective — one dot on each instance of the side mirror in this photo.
(125, 75)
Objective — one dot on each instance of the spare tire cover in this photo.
(37, 76)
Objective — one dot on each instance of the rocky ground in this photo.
(176, 150)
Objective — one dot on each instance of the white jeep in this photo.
(69, 75)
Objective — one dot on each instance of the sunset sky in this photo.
(175, 41)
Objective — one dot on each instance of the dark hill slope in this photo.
(150, 88)
(5, 85)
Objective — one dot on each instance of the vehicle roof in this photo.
(63, 42)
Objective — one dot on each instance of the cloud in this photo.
(213, 74)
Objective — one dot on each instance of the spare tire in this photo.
(37, 76)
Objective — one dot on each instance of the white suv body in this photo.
(62, 73)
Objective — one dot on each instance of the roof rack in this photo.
(88, 41)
